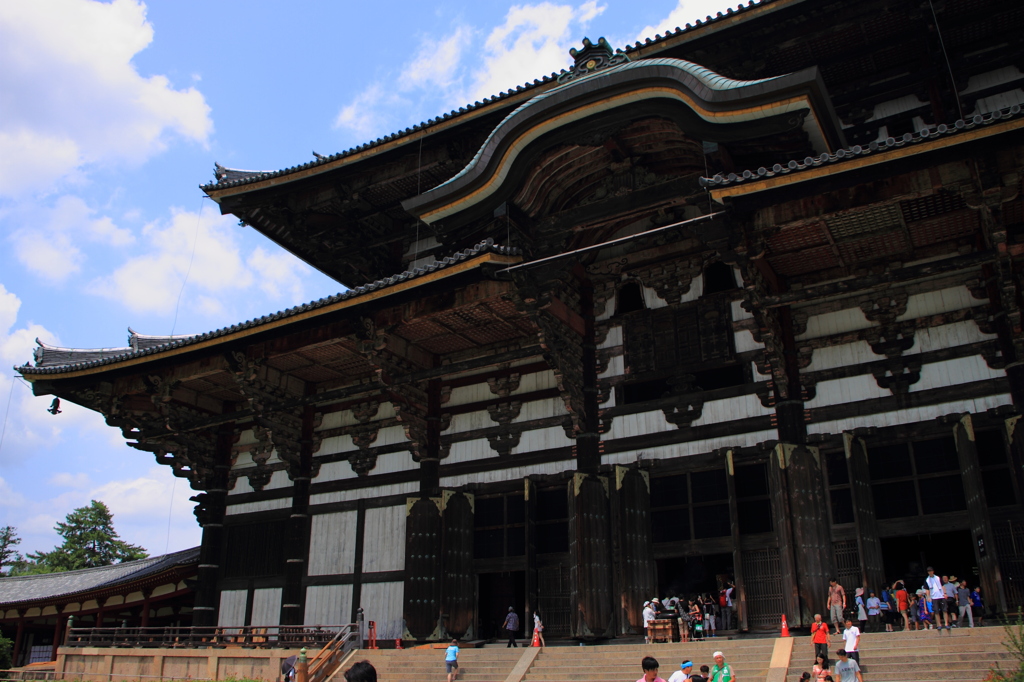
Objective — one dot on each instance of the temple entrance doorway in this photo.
(950, 553)
(498, 591)
(689, 576)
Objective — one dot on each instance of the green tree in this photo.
(89, 541)
(8, 541)
(6, 651)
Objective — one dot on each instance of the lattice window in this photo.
(847, 566)
(499, 526)
(762, 582)
(1009, 539)
(255, 550)
(663, 339)
(554, 600)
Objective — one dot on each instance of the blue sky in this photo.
(111, 115)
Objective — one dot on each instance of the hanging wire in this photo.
(170, 508)
(949, 67)
(419, 174)
(195, 241)
(707, 174)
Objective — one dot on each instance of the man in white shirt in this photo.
(648, 616)
(851, 640)
(729, 612)
(683, 674)
(938, 595)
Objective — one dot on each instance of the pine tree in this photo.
(8, 540)
(89, 541)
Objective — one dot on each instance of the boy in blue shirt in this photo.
(451, 660)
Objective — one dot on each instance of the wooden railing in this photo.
(333, 653)
(324, 637)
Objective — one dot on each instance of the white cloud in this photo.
(685, 12)
(469, 64)
(96, 108)
(68, 480)
(151, 281)
(49, 244)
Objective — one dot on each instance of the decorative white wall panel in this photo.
(470, 421)
(383, 603)
(844, 355)
(948, 336)
(612, 338)
(232, 608)
(542, 439)
(465, 395)
(696, 447)
(246, 437)
(896, 106)
(266, 606)
(262, 505)
(335, 471)
(336, 444)
(837, 322)
(393, 462)
(328, 604)
(509, 474)
(989, 79)
(848, 390)
(616, 367)
(745, 342)
(365, 493)
(469, 450)
(638, 424)
(541, 409)
(391, 435)
(653, 301)
(384, 540)
(999, 101)
(956, 371)
(738, 312)
(536, 381)
(332, 543)
(911, 415)
(333, 420)
(941, 301)
(740, 407)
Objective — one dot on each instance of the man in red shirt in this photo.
(819, 635)
(902, 602)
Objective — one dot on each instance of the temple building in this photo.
(742, 301)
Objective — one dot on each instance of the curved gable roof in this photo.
(714, 108)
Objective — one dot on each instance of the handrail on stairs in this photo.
(323, 663)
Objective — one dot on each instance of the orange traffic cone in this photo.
(785, 626)
(536, 638)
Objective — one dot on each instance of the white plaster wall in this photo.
(941, 301)
(365, 493)
(262, 505)
(266, 606)
(696, 447)
(638, 424)
(956, 371)
(837, 322)
(328, 604)
(910, 415)
(843, 391)
(542, 439)
(383, 603)
(509, 474)
(745, 342)
(384, 540)
(729, 409)
(232, 608)
(613, 338)
(332, 543)
(948, 336)
(841, 356)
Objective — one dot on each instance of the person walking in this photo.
(729, 613)
(451, 660)
(851, 640)
(862, 612)
(819, 636)
(836, 603)
(512, 625)
(538, 627)
(684, 672)
(938, 599)
(977, 606)
(820, 670)
(847, 668)
(902, 602)
(963, 604)
(949, 586)
(649, 664)
(721, 671)
(709, 614)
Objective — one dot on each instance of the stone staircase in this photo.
(921, 656)
(484, 664)
(749, 658)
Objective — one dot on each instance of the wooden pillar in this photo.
(778, 487)
(458, 588)
(19, 638)
(590, 557)
(530, 499)
(977, 514)
(869, 544)
(635, 570)
(144, 620)
(293, 595)
(357, 560)
(58, 632)
(423, 538)
(430, 460)
(210, 513)
(739, 593)
(1015, 438)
